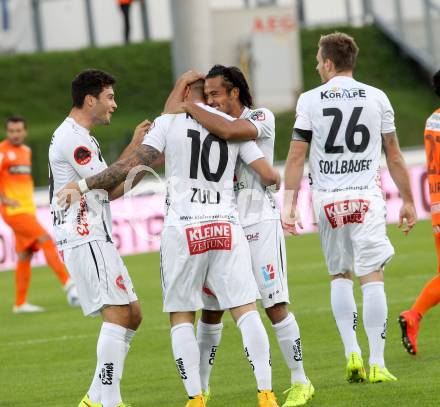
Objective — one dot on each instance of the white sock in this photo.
(187, 356)
(111, 350)
(345, 313)
(256, 347)
(375, 320)
(208, 338)
(287, 332)
(94, 392)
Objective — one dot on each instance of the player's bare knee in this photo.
(136, 316)
(237, 312)
(347, 275)
(372, 277)
(277, 313)
(212, 317)
(187, 317)
(117, 314)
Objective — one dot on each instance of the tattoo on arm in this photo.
(118, 171)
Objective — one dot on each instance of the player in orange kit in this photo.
(430, 296)
(18, 211)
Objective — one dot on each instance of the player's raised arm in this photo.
(237, 130)
(293, 173)
(137, 139)
(399, 174)
(111, 177)
(178, 93)
(269, 175)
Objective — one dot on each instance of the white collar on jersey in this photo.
(341, 78)
(75, 124)
(244, 113)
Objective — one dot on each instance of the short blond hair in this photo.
(341, 49)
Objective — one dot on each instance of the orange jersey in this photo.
(432, 148)
(15, 178)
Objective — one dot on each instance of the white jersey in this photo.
(343, 120)
(199, 168)
(74, 154)
(255, 203)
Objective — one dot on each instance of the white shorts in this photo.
(206, 260)
(352, 230)
(100, 276)
(268, 254)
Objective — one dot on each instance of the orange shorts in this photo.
(27, 230)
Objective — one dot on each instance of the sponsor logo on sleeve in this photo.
(258, 115)
(82, 155)
(212, 236)
(341, 213)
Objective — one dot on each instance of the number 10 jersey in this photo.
(199, 168)
(343, 120)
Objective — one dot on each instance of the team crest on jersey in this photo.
(258, 115)
(212, 236)
(341, 213)
(82, 155)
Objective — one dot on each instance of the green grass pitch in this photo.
(47, 359)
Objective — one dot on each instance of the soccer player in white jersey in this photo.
(226, 90)
(83, 232)
(346, 123)
(203, 244)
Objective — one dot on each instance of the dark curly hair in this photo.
(89, 82)
(233, 78)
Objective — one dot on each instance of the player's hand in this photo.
(291, 220)
(140, 131)
(407, 217)
(69, 194)
(190, 77)
(12, 203)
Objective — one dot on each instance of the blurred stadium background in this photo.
(44, 43)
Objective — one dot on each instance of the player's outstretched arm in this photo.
(399, 174)
(111, 177)
(269, 175)
(293, 173)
